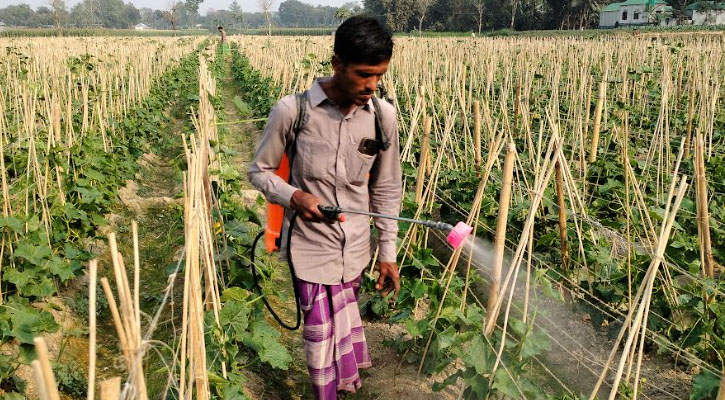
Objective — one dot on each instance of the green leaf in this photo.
(535, 343)
(264, 340)
(235, 317)
(95, 175)
(478, 354)
(33, 254)
(419, 290)
(505, 385)
(13, 223)
(28, 322)
(546, 286)
(60, 268)
(233, 392)
(235, 293)
(704, 386)
(446, 338)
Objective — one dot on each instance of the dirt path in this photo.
(382, 380)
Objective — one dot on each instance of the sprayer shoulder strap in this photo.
(299, 123)
(301, 100)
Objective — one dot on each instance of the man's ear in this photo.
(337, 64)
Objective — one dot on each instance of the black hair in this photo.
(363, 40)
(220, 27)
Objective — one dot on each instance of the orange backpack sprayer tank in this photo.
(275, 212)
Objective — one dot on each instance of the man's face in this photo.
(358, 82)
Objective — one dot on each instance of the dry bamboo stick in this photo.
(563, 233)
(120, 331)
(40, 383)
(110, 389)
(703, 215)
(42, 351)
(92, 272)
(424, 155)
(477, 133)
(136, 272)
(598, 120)
(499, 243)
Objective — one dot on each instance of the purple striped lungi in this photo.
(335, 345)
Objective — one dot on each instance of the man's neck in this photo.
(330, 89)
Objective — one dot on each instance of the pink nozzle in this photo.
(458, 234)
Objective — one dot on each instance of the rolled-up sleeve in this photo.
(269, 153)
(385, 188)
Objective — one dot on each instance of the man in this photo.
(337, 160)
(225, 45)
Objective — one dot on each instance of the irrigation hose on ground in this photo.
(456, 236)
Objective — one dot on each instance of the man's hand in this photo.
(306, 206)
(388, 270)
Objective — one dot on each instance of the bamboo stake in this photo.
(120, 331)
(499, 243)
(39, 378)
(92, 272)
(111, 389)
(136, 272)
(42, 351)
(598, 120)
(703, 215)
(477, 133)
(563, 233)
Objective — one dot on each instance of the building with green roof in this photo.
(706, 13)
(636, 12)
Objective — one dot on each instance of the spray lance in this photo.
(456, 236)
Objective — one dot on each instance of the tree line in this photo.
(177, 15)
(399, 15)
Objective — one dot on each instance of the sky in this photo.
(247, 5)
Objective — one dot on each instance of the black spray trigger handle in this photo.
(330, 212)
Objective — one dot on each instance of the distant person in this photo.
(225, 45)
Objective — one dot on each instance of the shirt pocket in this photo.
(318, 158)
(358, 166)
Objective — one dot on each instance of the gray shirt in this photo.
(327, 164)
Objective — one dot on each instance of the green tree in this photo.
(60, 13)
(342, 14)
(18, 15)
(192, 6)
(132, 15)
(43, 16)
(237, 15)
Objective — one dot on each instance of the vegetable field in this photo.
(591, 169)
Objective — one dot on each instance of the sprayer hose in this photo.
(255, 277)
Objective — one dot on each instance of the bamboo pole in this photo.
(92, 272)
(42, 351)
(111, 389)
(477, 133)
(499, 243)
(136, 272)
(424, 155)
(598, 120)
(563, 233)
(703, 215)
(39, 378)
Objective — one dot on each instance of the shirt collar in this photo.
(318, 96)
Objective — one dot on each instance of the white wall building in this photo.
(706, 13)
(636, 12)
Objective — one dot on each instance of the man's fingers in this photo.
(381, 281)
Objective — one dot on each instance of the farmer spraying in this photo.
(341, 143)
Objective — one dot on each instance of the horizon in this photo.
(204, 8)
